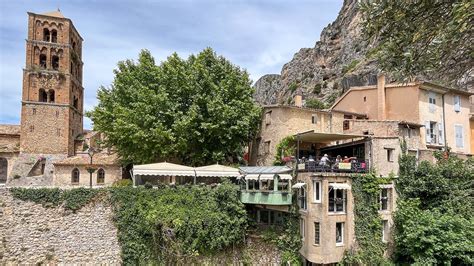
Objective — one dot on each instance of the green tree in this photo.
(427, 38)
(433, 221)
(199, 110)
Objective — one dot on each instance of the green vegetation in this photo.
(73, 199)
(285, 148)
(175, 225)
(332, 98)
(351, 66)
(421, 37)
(197, 110)
(368, 227)
(317, 88)
(287, 238)
(123, 183)
(315, 104)
(293, 86)
(434, 217)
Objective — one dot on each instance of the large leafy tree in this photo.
(434, 218)
(422, 38)
(196, 110)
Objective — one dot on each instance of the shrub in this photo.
(292, 87)
(315, 104)
(317, 88)
(76, 198)
(123, 183)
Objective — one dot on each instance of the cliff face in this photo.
(335, 63)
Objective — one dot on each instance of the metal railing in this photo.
(331, 164)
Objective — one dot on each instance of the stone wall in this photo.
(31, 234)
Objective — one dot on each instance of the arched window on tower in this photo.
(51, 96)
(100, 176)
(42, 96)
(55, 62)
(76, 102)
(42, 60)
(54, 36)
(46, 35)
(75, 176)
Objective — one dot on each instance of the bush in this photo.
(76, 198)
(317, 88)
(293, 86)
(123, 183)
(315, 104)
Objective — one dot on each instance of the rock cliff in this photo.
(336, 62)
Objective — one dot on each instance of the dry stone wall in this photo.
(31, 233)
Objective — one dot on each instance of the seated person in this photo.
(324, 160)
(348, 159)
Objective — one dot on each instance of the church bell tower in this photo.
(52, 98)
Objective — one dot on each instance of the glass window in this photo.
(337, 200)
(75, 175)
(339, 234)
(457, 103)
(384, 231)
(459, 136)
(302, 228)
(384, 199)
(317, 191)
(100, 176)
(317, 233)
(302, 198)
(253, 184)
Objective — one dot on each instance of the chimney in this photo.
(299, 98)
(381, 114)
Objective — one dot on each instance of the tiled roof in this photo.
(97, 159)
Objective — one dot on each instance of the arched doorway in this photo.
(3, 170)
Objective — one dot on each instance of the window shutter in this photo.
(459, 136)
(428, 136)
(457, 103)
(441, 133)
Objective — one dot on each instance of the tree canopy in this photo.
(434, 219)
(422, 38)
(196, 110)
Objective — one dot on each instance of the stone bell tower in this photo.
(52, 98)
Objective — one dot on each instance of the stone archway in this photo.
(3, 170)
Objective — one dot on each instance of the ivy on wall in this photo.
(174, 225)
(72, 199)
(285, 148)
(368, 223)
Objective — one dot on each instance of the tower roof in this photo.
(56, 13)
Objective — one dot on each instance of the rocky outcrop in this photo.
(32, 234)
(336, 62)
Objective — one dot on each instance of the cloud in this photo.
(259, 36)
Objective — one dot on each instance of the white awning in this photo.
(339, 186)
(217, 170)
(285, 177)
(163, 169)
(267, 176)
(298, 185)
(252, 177)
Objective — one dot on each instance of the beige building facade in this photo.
(442, 112)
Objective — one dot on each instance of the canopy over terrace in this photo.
(317, 137)
(171, 173)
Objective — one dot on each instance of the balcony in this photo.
(266, 185)
(333, 165)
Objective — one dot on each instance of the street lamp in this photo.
(91, 151)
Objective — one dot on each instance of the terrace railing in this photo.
(353, 165)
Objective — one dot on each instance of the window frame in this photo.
(317, 233)
(341, 242)
(317, 193)
(461, 127)
(385, 231)
(334, 200)
(385, 199)
(314, 119)
(302, 228)
(390, 156)
(100, 170)
(73, 176)
(457, 103)
(303, 198)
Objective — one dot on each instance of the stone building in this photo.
(50, 139)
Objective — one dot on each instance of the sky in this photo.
(259, 36)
